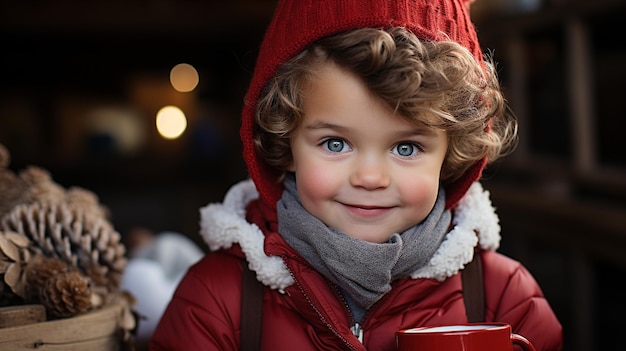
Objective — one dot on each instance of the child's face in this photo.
(359, 168)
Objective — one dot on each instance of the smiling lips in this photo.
(367, 211)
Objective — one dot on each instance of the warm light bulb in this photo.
(171, 122)
(184, 77)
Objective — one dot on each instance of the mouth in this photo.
(367, 210)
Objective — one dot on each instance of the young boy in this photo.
(365, 130)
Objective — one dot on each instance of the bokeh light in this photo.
(184, 77)
(171, 122)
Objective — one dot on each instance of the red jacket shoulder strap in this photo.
(474, 289)
(251, 310)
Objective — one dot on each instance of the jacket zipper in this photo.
(319, 314)
(356, 327)
(357, 331)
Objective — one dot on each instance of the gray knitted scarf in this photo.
(362, 269)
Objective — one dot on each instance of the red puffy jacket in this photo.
(303, 311)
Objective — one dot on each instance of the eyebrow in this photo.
(324, 125)
(425, 131)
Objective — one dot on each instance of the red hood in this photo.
(296, 24)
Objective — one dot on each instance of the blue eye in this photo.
(335, 145)
(405, 149)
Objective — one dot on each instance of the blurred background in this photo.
(139, 102)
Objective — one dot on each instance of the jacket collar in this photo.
(475, 223)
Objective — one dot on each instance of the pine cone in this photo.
(98, 274)
(39, 271)
(66, 295)
(87, 201)
(32, 184)
(67, 226)
(40, 187)
(11, 187)
(66, 232)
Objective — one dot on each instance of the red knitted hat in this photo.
(297, 23)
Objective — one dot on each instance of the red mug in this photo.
(461, 337)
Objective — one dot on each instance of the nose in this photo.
(370, 173)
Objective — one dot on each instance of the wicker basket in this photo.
(100, 329)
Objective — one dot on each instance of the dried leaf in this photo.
(128, 321)
(9, 249)
(4, 265)
(12, 275)
(17, 239)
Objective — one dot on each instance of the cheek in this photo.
(315, 183)
(420, 192)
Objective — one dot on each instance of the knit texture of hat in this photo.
(298, 23)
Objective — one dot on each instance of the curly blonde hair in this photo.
(438, 84)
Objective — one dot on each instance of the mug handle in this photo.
(522, 341)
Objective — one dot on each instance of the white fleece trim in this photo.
(475, 222)
(222, 225)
